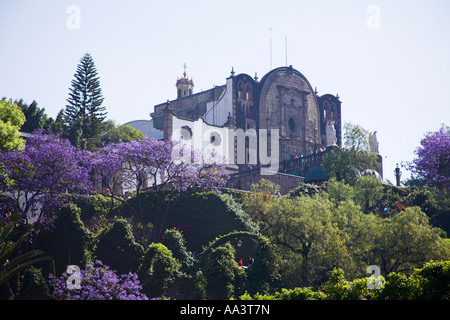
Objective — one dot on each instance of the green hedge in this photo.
(157, 270)
(431, 282)
(68, 242)
(200, 216)
(117, 248)
(92, 205)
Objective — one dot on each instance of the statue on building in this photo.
(331, 134)
(373, 142)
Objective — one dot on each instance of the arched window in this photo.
(215, 139)
(186, 133)
(249, 92)
(333, 111)
(292, 124)
(326, 109)
(240, 90)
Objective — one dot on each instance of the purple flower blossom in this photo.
(39, 178)
(135, 164)
(154, 164)
(98, 282)
(433, 159)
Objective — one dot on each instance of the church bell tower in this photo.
(184, 85)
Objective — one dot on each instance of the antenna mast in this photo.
(270, 29)
(285, 48)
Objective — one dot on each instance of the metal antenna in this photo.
(270, 29)
(285, 48)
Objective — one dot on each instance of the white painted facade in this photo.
(217, 111)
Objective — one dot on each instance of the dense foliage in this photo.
(431, 282)
(432, 162)
(38, 178)
(11, 119)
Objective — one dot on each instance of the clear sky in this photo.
(389, 61)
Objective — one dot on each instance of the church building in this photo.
(282, 104)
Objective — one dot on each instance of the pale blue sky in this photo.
(394, 80)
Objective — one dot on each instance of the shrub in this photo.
(397, 287)
(98, 282)
(91, 205)
(34, 286)
(174, 241)
(201, 216)
(199, 288)
(288, 294)
(433, 280)
(221, 271)
(301, 294)
(338, 288)
(265, 267)
(158, 270)
(117, 248)
(68, 242)
(305, 189)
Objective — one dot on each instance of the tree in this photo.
(406, 241)
(115, 133)
(40, 177)
(346, 165)
(368, 190)
(339, 191)
(432, 162)
(35, 117)
(356, 137)
(150, 163)
(58, 126)
(265, 186)
(84, 115)
(11, 119)
(303, 226)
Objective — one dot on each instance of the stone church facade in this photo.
(283, 99)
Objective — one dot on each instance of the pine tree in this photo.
(84, 115)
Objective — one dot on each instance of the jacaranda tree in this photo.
(40, 177)
(156, 165)
(432, 162)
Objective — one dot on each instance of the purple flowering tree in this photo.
(96, 282)
(155, 165)
(432, 162)
(39, 178)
